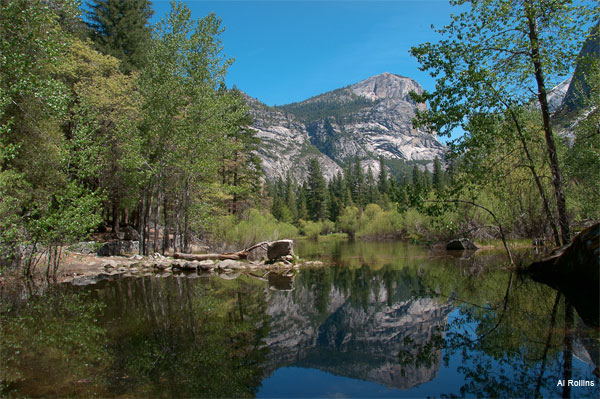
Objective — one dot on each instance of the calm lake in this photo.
(380, 320)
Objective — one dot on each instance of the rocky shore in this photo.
(85, 269)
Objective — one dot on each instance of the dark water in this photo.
(384, 320)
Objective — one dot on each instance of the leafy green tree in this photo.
(102, 128)
(493, 56)
(120, 28)
(181, 133)
(348, 221)
(42, 206)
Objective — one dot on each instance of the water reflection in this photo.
(386, 319)
(354, 324)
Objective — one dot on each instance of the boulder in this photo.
(575, 271)
(258, 254)
(118, 247)
(461, 244)
(230, 264)
(279, 249)
(189, 266)
(130, 234)
(84, 247)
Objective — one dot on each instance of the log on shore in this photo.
(271, 250)
(233, 256)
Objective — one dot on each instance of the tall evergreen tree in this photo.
(438, 174)
(357, 183)
(120, 28)
(317, 192)
(371, 191)
(382, 181)
(302, 202)
(290, 193)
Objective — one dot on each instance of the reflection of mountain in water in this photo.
(332, 330)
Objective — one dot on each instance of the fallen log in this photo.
(232, 255)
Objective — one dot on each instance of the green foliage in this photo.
(42, 201)
(310, 229)
(120, 28)
(255, 227)
(337, 104)
(582, 155)
(490, 61)
(56, 341)
(348, 221)
(316, 196)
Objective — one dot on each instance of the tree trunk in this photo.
(186, 212)
(548, 133)
(537, 180)
(165, 243)
(115, 214)
(156, 220)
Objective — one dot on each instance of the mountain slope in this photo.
(285, 144)
(369, 119)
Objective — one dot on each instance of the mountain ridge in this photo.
(368, 119)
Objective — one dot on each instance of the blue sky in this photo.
(287, 51)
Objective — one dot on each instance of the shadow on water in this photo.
(383, 319)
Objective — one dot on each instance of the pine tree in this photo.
(302, 202)
(371, 191)
(317, 192)
(382, 181)
(438, 177)
(417, 178)
(290, 201)
(277, 207)
(357, 184)
(120, 28)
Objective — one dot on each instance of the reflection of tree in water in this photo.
(178, 337)
(51, 345)
(514, 337)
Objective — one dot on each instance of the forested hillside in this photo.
(116, 125)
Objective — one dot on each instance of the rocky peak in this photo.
(369, 119)
(386, 86)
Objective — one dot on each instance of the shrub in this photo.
(254, 227)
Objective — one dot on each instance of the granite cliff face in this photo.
(285, 144)
(336, 333)
(369, 119)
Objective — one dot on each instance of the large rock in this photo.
(129, 233)
(84, 247)
(279, 249)
(118, 247)
(230, 264)
(461, 244)
(575, 271)
(258, 254)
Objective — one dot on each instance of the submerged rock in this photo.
(461, 244)
(230, 264)
(575, 271)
